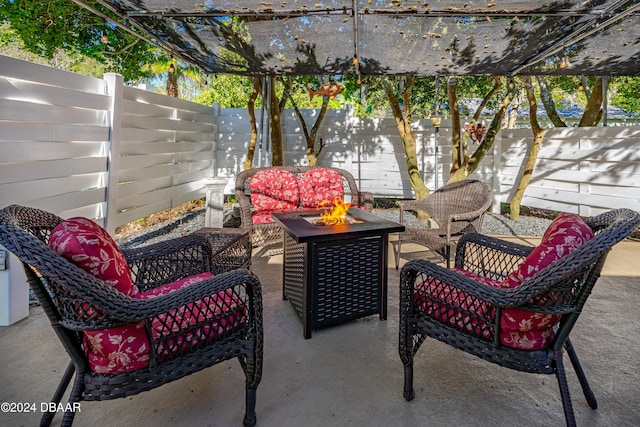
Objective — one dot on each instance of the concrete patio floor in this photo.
(351, 374)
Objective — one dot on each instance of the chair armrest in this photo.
(365, 199)
(105, 307)
(244, 205)
(468, 216)
(419, 271)
(492, 257)
(411, 205)
(169, 260)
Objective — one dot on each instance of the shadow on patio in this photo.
(351, 374)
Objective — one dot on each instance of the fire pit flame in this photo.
(337, 215)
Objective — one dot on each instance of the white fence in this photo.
(76, 145)
(579, 170)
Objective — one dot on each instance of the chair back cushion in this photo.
(566, 233)
(273, 190)
(525, 329)
(320, 187)
(91, 248)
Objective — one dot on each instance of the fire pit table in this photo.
(335, 273)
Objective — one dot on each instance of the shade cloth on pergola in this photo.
(393, 37)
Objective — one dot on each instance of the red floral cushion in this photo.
(214, 316)
(454, 307)
(459, 309)
(91, 248)
(320, 187)
(264, 217)
(273, 190)
(566, 233)
(524, 329)
(126, 348)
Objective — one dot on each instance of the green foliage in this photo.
(46, 27)
(625, 93)
(226, 90)
(12, 45)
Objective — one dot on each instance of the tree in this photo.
(530, 159)
(257, 90)
(310, 136)
(463, 164)
(403, 116)
(625, 92)
(46, 27)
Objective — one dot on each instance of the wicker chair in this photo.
(561, 289)
(76, 301)
(457, 208)
(264, 234)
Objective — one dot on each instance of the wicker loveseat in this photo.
(262, 191)
(510, 304)
(133, 320)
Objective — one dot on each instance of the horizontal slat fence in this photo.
(76, 145)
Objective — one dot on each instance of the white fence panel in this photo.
(166, 149)
(53, 132)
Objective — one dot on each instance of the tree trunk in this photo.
(470, 163)
(513, 113)
(593, 112)
(312, 154)
(538, 133)
(549, 105)
(403, 122)
(310, 137)
(456, 137)
(172, 83)
(257, 89)
(274, 123)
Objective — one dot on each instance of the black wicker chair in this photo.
(68, 294)
(561, 288)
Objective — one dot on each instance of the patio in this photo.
(351, 374)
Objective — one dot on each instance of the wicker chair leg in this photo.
(398, 252)
(588, 393)
(47, 417)
(564, 392)
(76, 393)
(409, 392)
(447, 255)
(250, 418)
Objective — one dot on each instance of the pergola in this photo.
(391, 37)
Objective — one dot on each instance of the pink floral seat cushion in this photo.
(126, 348)
(320, 187)
(272, 190)
(454, 307)
(206, 319)
(465, 312)
(519, 328)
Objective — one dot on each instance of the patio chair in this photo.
(457, 208)
(160, 306)
(510, 304)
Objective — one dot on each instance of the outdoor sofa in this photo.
(263, 191)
